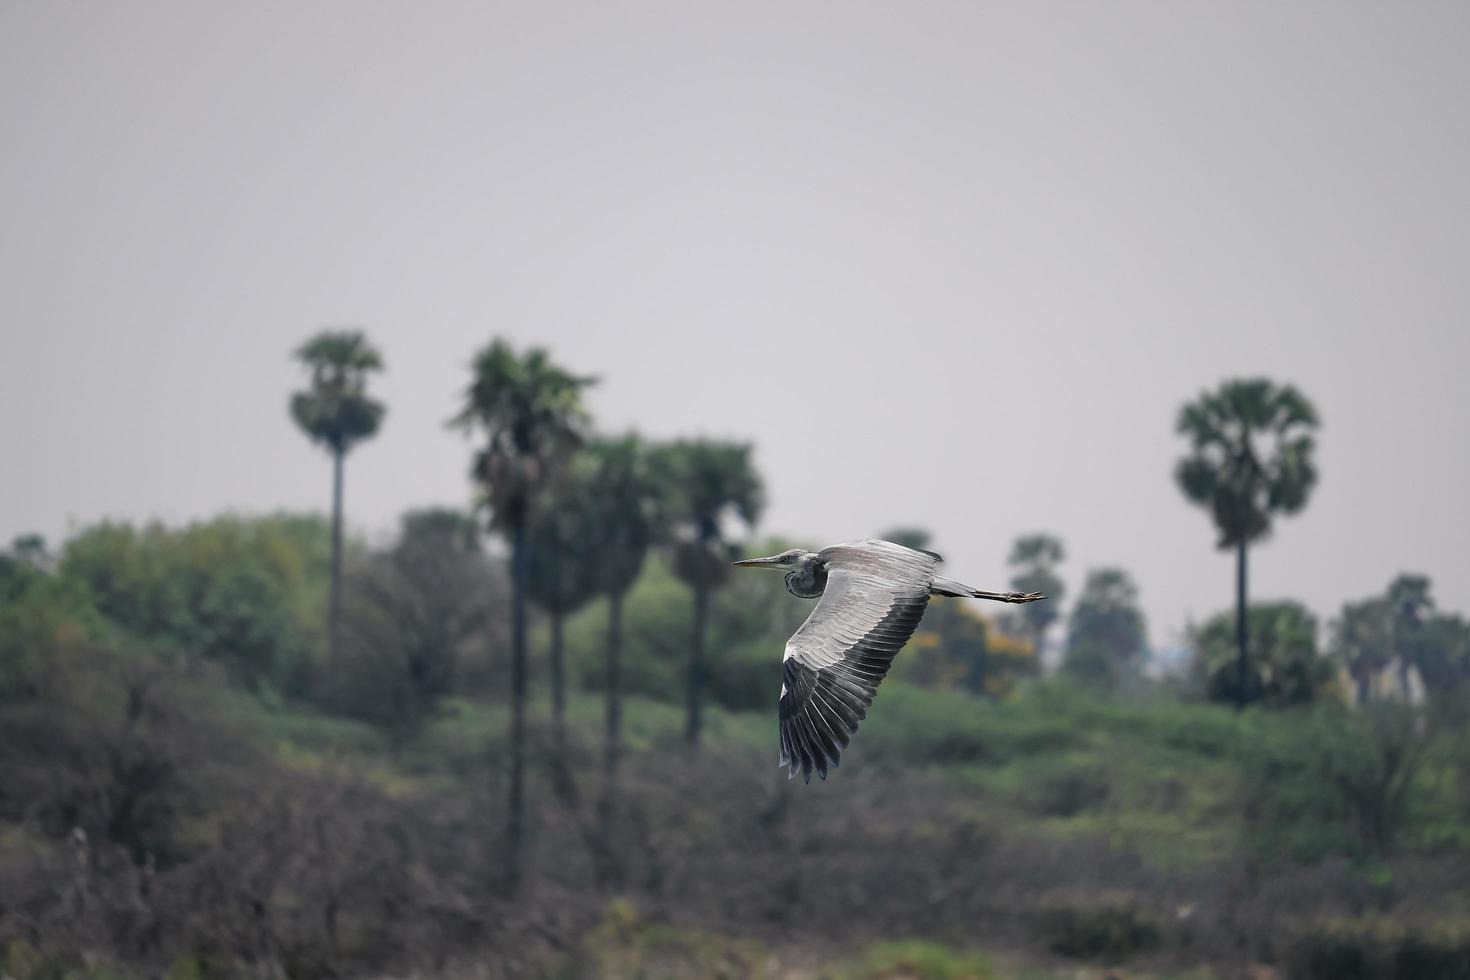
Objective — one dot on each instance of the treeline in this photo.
(539, 733)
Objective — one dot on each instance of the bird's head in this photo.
(787, 560)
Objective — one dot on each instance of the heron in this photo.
(871, 595)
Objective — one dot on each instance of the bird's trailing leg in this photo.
(949, 587)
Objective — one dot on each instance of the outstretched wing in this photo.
(875, 596)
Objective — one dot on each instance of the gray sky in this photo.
(996, 243)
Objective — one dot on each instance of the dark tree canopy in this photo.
(632, 507)
(336, 410)
(1284, 668)
(1250, 456)
(709, 481)
(561, 539)
(1402, 625)
(529, 411)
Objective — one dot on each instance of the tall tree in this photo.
(528, 410)
(559, 574)
(1035, 558)
(1250, 458)
(1106, 643)
(710, 482)
(411, 615)
(336, 412)
(632, 518)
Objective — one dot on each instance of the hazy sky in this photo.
(954, 265)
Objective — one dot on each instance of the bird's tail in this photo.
(959, 590)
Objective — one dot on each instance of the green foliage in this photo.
(1402, 623)
(1440, 648)
(561, 571)
(600, 520)
(708, 481)
(935, 728)
(1227, 470)
(1332, 781)
(240, 592)
(1106, 645)
(41, 617)
(630, 505)
(917, 959)
(336, 410)
(1284, 667)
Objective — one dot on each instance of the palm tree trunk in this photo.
(334, 598)
(696, 666)
(1242, 662)
(612, 748)
(516, 801)
(558, 684)
(614, 686)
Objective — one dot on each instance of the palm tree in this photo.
(1035, 557)
(710, 481)
(631, 508)
(337, 412)
(529, 412)
(559, 576)
(1250, 458)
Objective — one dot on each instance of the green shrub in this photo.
(917, 959)
(244, 593)
(1333, 781)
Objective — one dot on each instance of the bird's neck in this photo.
(809, 580)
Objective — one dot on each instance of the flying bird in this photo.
(871, 595)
